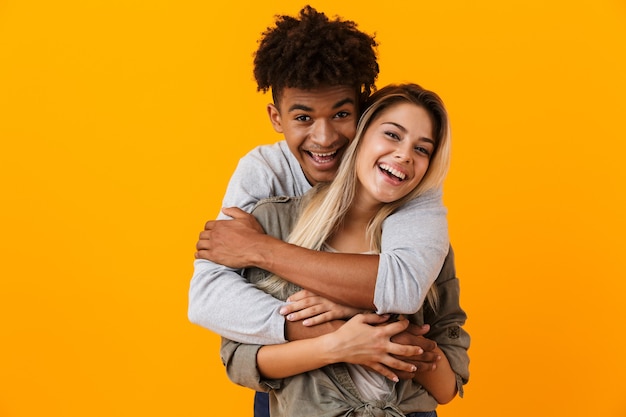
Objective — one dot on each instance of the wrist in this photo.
(329, 353)
(265, 252)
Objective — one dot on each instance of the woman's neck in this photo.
(351, 234)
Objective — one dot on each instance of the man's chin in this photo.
(318, 176)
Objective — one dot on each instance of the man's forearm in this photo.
(295, 330)
(345, 278)
(218, 298)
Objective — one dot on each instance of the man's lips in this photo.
(322, 157)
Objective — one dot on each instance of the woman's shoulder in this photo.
(277, 215)
(277, 204)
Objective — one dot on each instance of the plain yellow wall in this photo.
(122, 120)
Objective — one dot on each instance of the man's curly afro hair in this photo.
(312, 52)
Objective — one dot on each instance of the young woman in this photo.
(400, 151)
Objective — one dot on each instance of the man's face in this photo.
(318, 125)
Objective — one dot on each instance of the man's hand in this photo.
(314, 309)
(230, 242)
(424, 362)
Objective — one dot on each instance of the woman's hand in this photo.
(366, 340)
(315, 309)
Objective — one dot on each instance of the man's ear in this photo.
(275, 119)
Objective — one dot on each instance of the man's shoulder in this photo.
(274, 160)
(272, 167)
(274, 152)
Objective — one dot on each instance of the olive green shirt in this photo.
(329, 391)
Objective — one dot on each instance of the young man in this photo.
(319, 72)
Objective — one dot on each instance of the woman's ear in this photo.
(274, 114)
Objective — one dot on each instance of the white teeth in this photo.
(323, 155)
(392, 171)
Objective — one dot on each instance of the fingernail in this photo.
(283, 310)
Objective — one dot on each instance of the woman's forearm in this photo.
(289, 359)
(363, 340)
(440, 382)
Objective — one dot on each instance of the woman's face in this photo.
(394, 153)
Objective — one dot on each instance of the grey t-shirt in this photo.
(414, 245)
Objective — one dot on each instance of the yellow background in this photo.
(122, 120)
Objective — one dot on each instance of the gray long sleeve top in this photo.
(414, 246)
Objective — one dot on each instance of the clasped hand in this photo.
(395, 349)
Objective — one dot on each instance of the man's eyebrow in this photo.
(343, 102)
(338, 104)
(300, 107)
(403, 129)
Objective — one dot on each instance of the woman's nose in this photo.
(402, 153)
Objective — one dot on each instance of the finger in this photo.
(295, 306)
(425, 366)
(400, 365)
(416, 330)
(427, 344)
(428, 357)
(392, 329)
(205, 235)
(306, 314)
(405, 351)
(319, 319)
(302, 294)
(203, 244)
(372, 318)
(425, 362)
(423, 357)
(234, 212)
(406, 376)
(202, 254)
(209, 225)
(384, 371)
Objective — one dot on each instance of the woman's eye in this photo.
(392, 135)
(422, 150)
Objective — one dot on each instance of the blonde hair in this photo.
(325, 206)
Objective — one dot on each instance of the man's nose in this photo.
(324, 134)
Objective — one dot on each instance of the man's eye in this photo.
(342, 115)
(303, 118)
